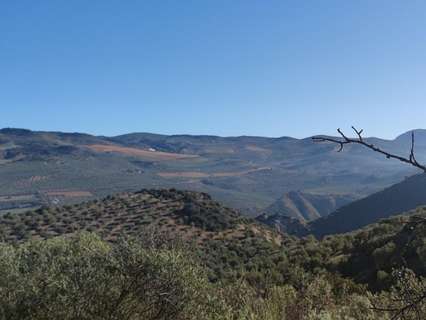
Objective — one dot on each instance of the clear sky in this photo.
(223, 67)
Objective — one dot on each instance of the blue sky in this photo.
(239, 67)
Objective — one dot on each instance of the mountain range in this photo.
(246, 173)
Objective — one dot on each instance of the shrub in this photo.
(87, 278)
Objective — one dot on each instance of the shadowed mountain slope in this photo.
(398, 198)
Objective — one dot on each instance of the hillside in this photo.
(370, 255)
(401, 197)
(224, 238)
(189, 214)
(84, 277)
(306, 206)
(229, 244)
(284, 224)
(248, 173)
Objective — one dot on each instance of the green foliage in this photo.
(237, 269)
(407, 297)
(87, 278)
(370, 254)
(83, 277)
(211, 218)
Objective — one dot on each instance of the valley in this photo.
(294, 223)
(246, 173)
(212, 160)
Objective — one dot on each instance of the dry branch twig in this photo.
(411, 160)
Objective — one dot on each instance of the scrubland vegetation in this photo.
(84, 277)
(179, 255)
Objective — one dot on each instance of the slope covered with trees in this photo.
(228, 241)
(206, 260)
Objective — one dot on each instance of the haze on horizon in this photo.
(282, 68)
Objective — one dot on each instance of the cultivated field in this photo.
(197, 174)
(69, 193)
(147, 154)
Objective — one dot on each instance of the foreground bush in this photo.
(87, 278)
(84, 277)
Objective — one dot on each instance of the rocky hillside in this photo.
(306, 206)
(401, 197)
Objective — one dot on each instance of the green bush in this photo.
(83, 277)
(87, 278)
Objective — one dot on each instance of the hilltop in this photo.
(190, 215)
(225, 239)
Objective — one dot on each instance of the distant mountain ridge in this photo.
(419, 135)
(248, 173)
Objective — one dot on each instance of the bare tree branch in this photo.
(411, 160)
(411, 299)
